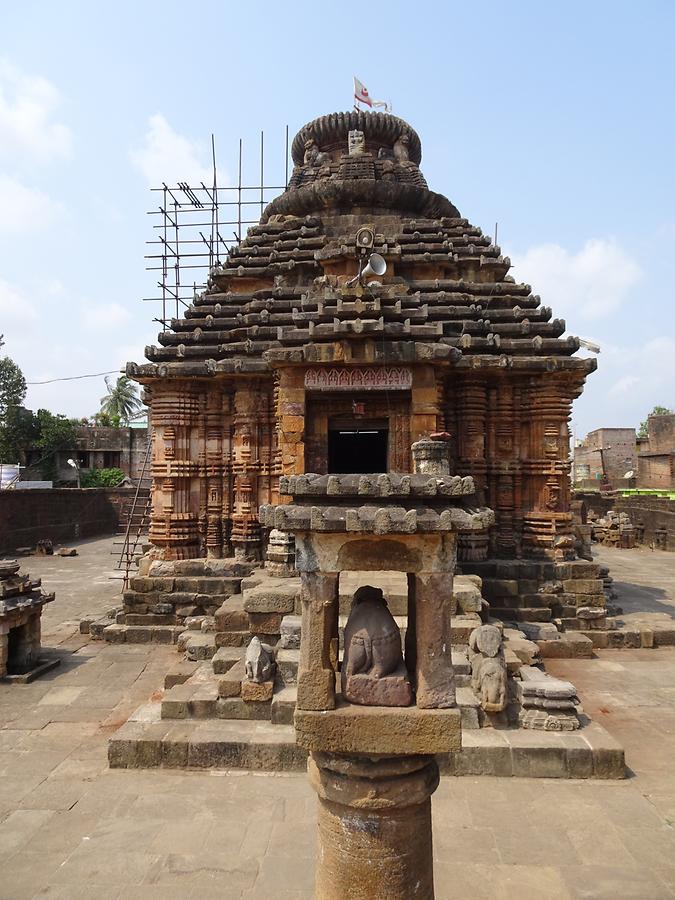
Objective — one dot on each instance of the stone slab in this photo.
(367, 729)
(43, 666)
(590, 753)
(390, 690)
(253, 692)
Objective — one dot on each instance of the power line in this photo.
(74, 377)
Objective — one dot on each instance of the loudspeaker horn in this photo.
(376, 265)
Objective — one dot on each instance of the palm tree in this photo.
(121, 400)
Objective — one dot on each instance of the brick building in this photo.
(97, 447)
(656, 454)
(605, 457)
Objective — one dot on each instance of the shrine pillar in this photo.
(251, 405)
(174, 528)
(547, 521)
(291, 419)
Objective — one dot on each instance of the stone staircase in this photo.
(572, 594)
(161, 602)
(211, 715)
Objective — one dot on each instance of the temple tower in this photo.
(288, 363)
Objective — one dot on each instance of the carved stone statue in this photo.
(356, 143)
(401, 153)
(313, 156)
(259, 661)
(488, 667)
(373, 672)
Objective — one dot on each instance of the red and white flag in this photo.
(361, 95)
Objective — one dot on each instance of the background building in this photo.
(605, 457)
(656, 454)
(97, 447)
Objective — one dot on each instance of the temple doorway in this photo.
(360, 449)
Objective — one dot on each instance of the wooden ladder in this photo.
(137, 521)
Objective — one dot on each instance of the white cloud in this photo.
(99, 317)
(586, 285)
(624, 386)
(166, 155)
(28, 104)
(652, 369)
(630, 381)
(24, 209)
(14, 306)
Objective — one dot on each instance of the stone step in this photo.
(283, 705)
(224, 658)
(180, 673)
(142, 634)
(460, 661)
(570, 645)
(199, 645)
(470, 708)
(236, 708)
(231, 616)
(524, 614)
(146, 741)
(272, 595)
(461, 627)
(232, 638)
(229, 685)
(287, 665)
(190, 701)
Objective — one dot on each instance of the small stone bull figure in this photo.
(259, 661)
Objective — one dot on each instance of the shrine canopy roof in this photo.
(288, 288)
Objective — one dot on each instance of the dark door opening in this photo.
(355, 450)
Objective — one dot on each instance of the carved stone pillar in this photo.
(425, 409)
(502, 466)
(374, 820)
(291, 418)
(211, 471)
(471, 424)
(174, 527)
(428, 638)
(547, 521)
(319, 647)
(250, 406)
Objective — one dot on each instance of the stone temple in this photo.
(281, 368)
(360, 463)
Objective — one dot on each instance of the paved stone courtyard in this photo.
(70, 828)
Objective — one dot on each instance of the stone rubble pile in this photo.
(614, 529)
(547, 703)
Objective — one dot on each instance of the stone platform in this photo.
(148, 741)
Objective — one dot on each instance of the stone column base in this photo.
(374, 826)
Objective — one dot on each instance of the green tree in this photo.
(643, 430)
(121, 400)
(54, 433)
(103, 478)
(12, 386)
(15, 421)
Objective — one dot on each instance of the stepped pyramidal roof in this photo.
(284, 291)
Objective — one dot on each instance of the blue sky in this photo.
(556, 120)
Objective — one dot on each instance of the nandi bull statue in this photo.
(488, 667)
(259, 661)
(373, 671)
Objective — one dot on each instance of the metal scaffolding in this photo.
(191, 232)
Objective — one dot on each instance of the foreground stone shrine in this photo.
(373, 743)
(21, 604)
(364, 406)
